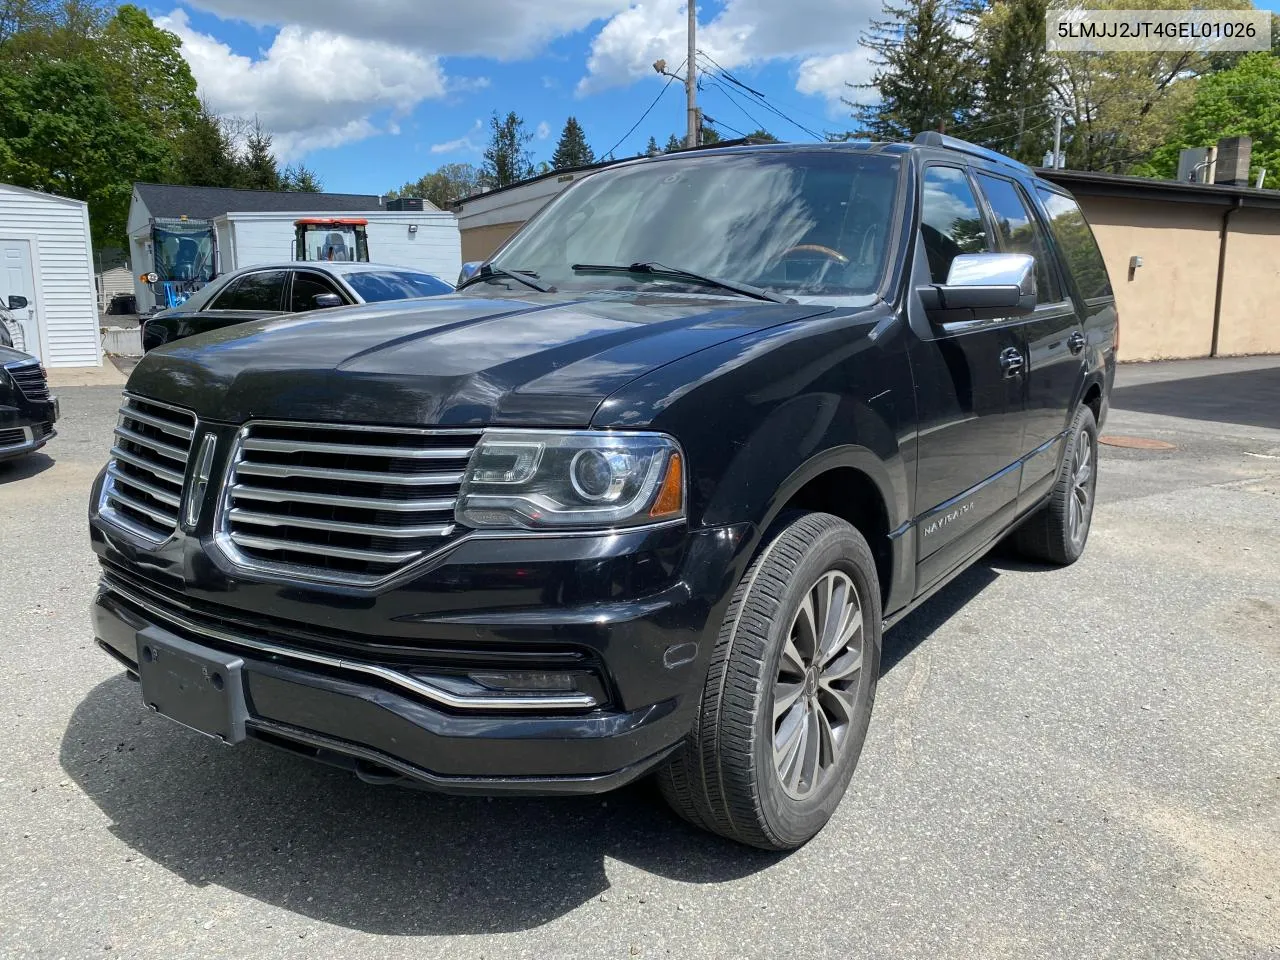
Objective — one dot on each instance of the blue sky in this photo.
(373, 93)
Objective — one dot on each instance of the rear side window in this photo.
(1078, 246)
(254, 291)
(306, 287)
(396, 285)
(950, 220)
(1020, 233)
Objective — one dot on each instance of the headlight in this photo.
(555, 480)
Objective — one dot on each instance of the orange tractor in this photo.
(331, 238)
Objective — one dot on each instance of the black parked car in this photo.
(641, 497)
(27, 411)
(270, 290)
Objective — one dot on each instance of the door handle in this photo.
(1076, 342)
(1012, 362)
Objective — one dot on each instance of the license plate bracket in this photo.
(193, 685)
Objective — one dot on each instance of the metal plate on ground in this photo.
(194, 685)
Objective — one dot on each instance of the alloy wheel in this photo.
(815, 692)
(1079, 508)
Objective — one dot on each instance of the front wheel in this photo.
(1058, 531)
(789, 692)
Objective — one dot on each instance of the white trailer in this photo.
(423, 240)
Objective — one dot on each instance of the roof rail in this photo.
(931, 138)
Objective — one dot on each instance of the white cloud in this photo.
(822, 34)
(544, 130)
(311, 88)
(470, 142)
(494, 28)
(829, 77)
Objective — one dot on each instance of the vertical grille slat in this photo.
(143, 488)
(30, 379)
(338, 503)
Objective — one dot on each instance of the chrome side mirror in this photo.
(322, 300)
(17, 302)
(983, 286)
(469, 270)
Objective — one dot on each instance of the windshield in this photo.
(804, 223)
(394, 285)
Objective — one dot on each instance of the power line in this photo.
(760, 98)
(608, 153)
(720, 123)
(762, 101)
(734, 101)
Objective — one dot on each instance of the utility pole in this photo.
(1058, 111)
(691, 81)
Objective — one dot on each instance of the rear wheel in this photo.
(1058, 531)
(789, 692)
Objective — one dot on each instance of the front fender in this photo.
(761, 416)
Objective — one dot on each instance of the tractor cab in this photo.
(331, 238)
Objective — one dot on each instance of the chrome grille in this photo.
(143, 489)
(31, 381)
(341, 504)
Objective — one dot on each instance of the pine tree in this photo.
(1013, 113)
(651, 148)
(674, 143)
(924, 71)
(204, 153)
(300, 179)
(573, 149)
(506, 159)
(258, 165)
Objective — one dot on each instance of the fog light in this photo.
(527, 681)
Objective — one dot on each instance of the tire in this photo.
(1058, 531)
(726, 778)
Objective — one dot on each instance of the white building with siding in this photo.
(46, 256)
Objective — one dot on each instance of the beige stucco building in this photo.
(1209, 283)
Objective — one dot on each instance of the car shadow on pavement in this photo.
(389, 860)
(1246, 397)
(23, 468)
(386, 860)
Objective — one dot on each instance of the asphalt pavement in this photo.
(1065, 764)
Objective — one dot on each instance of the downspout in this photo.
(1222, 269)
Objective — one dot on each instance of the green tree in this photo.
(300, 179)
(674, 143)
(573, 149)
(761, 135)
(258, 170)
(451, 182)
(1243, 101)
(1013, 112)
(64, 134)
(506, 159)
(1122, 106)
(651, 148)
(149, 78)
(924, 71)
(204, 154)
(708, 134)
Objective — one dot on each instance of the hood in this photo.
(9, 355)
(545, 360)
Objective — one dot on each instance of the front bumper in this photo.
(20, 441)
(337, 697)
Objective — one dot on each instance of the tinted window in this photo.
(254, 291)
(1078, 246)
(395, 285)
(800, 222)
(1018, 232)
(306, 287)
(951, 223)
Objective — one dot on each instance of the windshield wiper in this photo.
(653, 268)
(490, 272)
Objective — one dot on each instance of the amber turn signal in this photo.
(670, 500)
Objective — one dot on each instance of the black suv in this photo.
(27, 411)
(641, 496)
